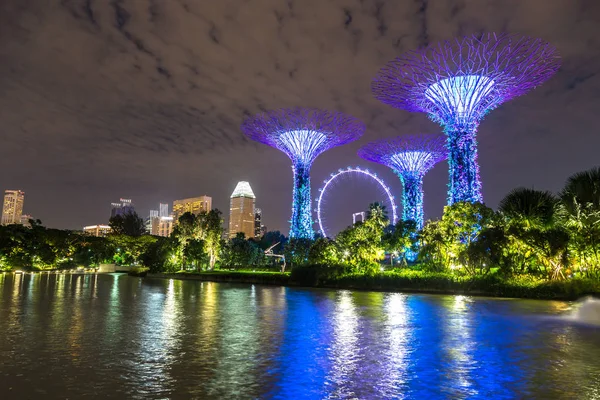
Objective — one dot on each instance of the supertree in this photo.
(457, 83)
(302, 134)
(410, 157)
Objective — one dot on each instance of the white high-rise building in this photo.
(241, 211)
(12, 208)
(164, 210)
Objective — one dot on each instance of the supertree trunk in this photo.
(412, 198)
(301, 224)
(465, 184)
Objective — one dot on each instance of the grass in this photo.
(524, 286)
(406, 280)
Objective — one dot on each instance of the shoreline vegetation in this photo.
(536, 244)
(405, 281)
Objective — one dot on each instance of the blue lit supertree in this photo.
(410, 157)
(302, 134)
(457, 83)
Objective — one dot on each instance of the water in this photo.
(114, 336)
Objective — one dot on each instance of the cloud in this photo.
(101, 99)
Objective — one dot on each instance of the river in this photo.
(114, 336)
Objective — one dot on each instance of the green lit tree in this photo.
(444, 243)
(211, 224)
(296, 251)
(324, 251)
(579, 213)
(361, 245)
(378, 213)
(526, 214)
(129, 249)
(400, 239)
(195, 253)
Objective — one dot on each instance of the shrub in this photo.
(317, 274)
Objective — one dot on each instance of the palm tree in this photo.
(580, 213)
(527, 211)
(378, 213)
(582, 190)
(529, 208)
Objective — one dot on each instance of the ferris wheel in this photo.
(351, 172)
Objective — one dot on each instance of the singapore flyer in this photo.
(353, 175)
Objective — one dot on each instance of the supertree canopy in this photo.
(410, 157)
(457, 82)
(302, 134)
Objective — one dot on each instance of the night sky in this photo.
(142, 99)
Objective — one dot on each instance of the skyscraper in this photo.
(195, 205)
(124, 206)
(12, 208)
(164, 210)
(259, 228)
(149, 221)
(241, 210)
(165, 226)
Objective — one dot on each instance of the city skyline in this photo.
(129, 113)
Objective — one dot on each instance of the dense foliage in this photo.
(534, 236)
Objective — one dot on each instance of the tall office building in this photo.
(164, 210)
(153, 215)
(241, 210)
(195, 205)
(12, 208)
(259, 228)
(124, 206)
(164, 226)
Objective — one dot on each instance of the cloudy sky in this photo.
(142, 99)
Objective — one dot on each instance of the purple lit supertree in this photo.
(302, 134)
(410, 157)
(457, 83)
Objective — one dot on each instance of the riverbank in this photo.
(412, 282)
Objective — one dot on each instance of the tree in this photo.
(187, 229)
(401, 239)
(551, 248)
(129, 249)
(297, 250)
(242, 252)
(522, 211)
(92, 251)
(160, 256)
(444, 243)
(206, 226)
(378, 213)
(272, 237)
(580, 214)
(529, 208)
(212, 229)
(195, 253)
(489, 250)
(129, 224)
(324, 251)
(361, 245)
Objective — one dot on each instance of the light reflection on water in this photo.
(114, 336)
